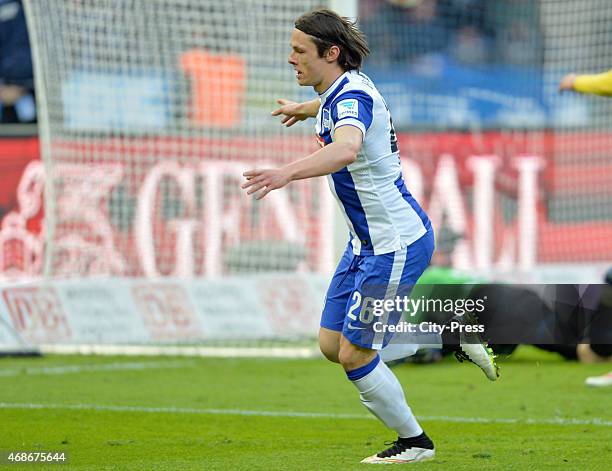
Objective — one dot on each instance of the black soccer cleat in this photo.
(404, 450)
(461, 336)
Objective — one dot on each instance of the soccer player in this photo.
(600, 381)
(591, 84)
(392, 240)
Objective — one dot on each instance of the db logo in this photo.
(37, 314)
(288, 304)
(166, 312)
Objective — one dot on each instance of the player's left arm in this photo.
(594, 84)
(329, 159)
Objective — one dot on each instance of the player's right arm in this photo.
(293, 112)
(594, 84)
(329, 159)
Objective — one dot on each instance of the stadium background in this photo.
(142, 244)
(150, 111)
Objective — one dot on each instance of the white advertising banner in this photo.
(161, 311)
(9, 340)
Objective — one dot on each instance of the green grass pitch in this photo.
(238, 414)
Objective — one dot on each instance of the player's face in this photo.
(309, 67)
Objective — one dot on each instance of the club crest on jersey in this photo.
(326, 119)
(348, 109)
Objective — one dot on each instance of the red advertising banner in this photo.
(21, 208)
(498, 200)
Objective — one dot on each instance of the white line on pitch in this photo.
(309, 415)
(120, 366)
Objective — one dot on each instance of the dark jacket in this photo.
(15, 57)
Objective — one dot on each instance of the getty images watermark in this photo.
(423, 306)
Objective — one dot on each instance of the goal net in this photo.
(515, 175)
(151, 110)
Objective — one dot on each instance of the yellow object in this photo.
(596, 84)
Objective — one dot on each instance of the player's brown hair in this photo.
(328, 29)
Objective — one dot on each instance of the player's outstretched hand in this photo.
(292, 112)
(268, 179)
(567, 82)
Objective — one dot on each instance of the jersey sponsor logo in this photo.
(348, 109)
(326, 122)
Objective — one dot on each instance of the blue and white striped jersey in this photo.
(381, 214)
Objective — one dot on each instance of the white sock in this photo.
(382, 394)
(406, 344)
(396, 351)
